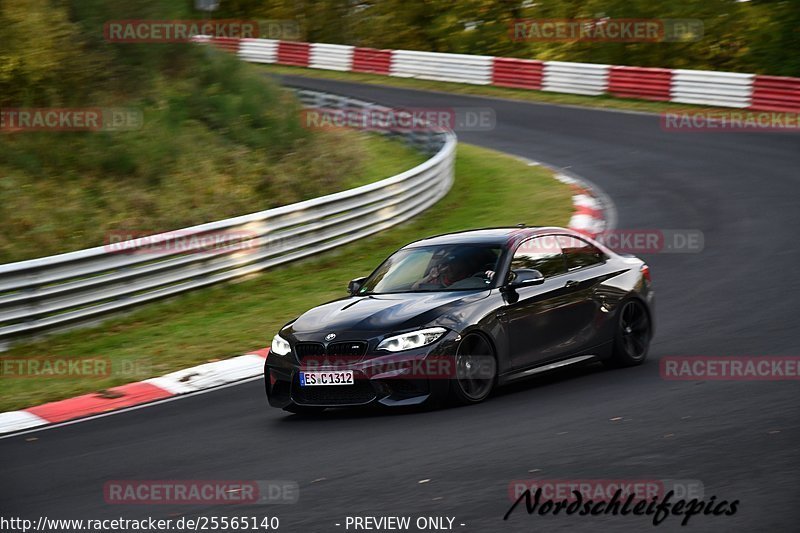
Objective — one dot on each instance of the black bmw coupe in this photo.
(451, 317)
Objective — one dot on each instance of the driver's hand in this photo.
(437, 271)
(489, 274)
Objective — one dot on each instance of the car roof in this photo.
(500, 236)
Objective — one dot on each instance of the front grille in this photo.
(350, 351)
(360, 392)
(308, 349)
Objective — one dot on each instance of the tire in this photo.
(475, 369)
(632, 337)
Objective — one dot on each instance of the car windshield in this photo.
(449, 267)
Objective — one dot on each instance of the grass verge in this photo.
(491, 189)
(46, 215)
(603, 102)
(203, 135)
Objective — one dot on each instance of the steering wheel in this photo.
(482, 273)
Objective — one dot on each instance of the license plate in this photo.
(339, 377)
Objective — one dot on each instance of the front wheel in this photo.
(475, 370)
(633, 336)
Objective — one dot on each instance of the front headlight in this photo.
(280, 346)
(411, 340)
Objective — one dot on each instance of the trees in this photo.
(41, 60)
(754, 36)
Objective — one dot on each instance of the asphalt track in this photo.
(738, 297)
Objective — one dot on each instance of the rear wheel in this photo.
(633, 335)
(475, 370)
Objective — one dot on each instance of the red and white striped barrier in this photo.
(517, 73)
(575, 78)
(706, 87)
(640, 83)
(296, 54)
(697, 87)
(460, 68)
(259, 50)
(332, 57)
(372, 61)
(775, 93)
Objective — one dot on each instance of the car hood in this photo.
(382, 313)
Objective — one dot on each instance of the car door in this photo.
(586, 271)
(538, 318)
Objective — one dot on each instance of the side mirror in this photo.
(355, 284)
(524, 277)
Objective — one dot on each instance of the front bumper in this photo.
(407, 378)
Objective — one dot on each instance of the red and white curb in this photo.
(186, 381)
(593, 211)
(589, 208)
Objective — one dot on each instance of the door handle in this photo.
(571, 283)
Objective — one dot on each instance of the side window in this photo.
(579, 253)
(541, 253)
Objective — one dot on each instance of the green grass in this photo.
(384, 158)
(491, 189)
(605, 102)
(214, 138)
(45, 214)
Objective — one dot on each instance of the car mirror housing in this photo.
(355, 284)
(524, 277)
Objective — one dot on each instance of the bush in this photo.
(218, 138)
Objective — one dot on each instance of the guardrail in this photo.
(442, 67)
(641, 83)
(259, 50)
(705, 87)
(517, 73)
(698, 87)
(332, 57)
(291, 53)
(575, 78)
(776, 93)
(84, 287)
(372, 60)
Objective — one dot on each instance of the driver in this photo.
(444, 274)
